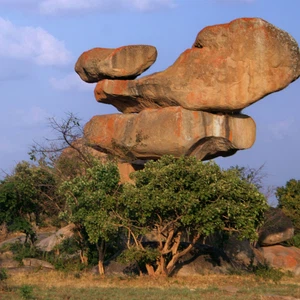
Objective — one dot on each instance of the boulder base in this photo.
(173, 130)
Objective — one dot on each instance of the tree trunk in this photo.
(101, 267)
(83, 258)
(172, 263)
(101, 253)
(161, 269)
(150, 270)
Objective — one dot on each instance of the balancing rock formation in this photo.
(194, 106)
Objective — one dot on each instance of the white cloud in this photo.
(52, 7)
(71, 82)
(31, 43)
(282, 128)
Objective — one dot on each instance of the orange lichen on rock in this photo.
(194, 106)
(172, 130)
(230, 67)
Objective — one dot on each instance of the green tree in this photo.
(90, 199)
(257, 177)
(289, 201)
(183, 200)
(25, 197)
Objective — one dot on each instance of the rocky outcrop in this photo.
(125, 62)
(194, 106)
(229, 67)
(55, 239)
(203, 260)
(173, 130)
(277, 228)
(284, 258)
(36, 263)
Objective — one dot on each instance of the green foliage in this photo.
(68, 246)
(200, 195)
(24, 197)
(24, 250)
(267, 273)
(26, 292)
(3, 274)
(147, 255)
(251, 175)
(89, 201)
(66, 264)
(294, 241)
(173, 197)
(289, 201)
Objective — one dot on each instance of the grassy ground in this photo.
(56, 285)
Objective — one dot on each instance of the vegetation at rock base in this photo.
(182, 200)
(25, 196)
(89, 201)
(289, 201)
(177, 201)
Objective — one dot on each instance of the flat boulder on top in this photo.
(122, 63)
(229, 67)
(172, 130)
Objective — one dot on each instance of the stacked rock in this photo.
(194, 106)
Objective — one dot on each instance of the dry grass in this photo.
(58, 285)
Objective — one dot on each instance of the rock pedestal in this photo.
(194, 106)
(172, 130)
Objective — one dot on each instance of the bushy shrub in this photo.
(26, 292)
(25, 250)
(3, 274)
(267, 273)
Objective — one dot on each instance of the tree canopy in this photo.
(89, 202)
(26, 195)
(181, 200)
(289, 201)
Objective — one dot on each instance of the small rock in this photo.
(125, 62)
(33, 262)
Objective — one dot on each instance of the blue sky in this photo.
(40, 41)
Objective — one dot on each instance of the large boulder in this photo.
(229, 67)
(241, 252)
(173, 130)
(49, 243)
(125, 62)
(203, 260)
(284, 258)
(277, 228)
